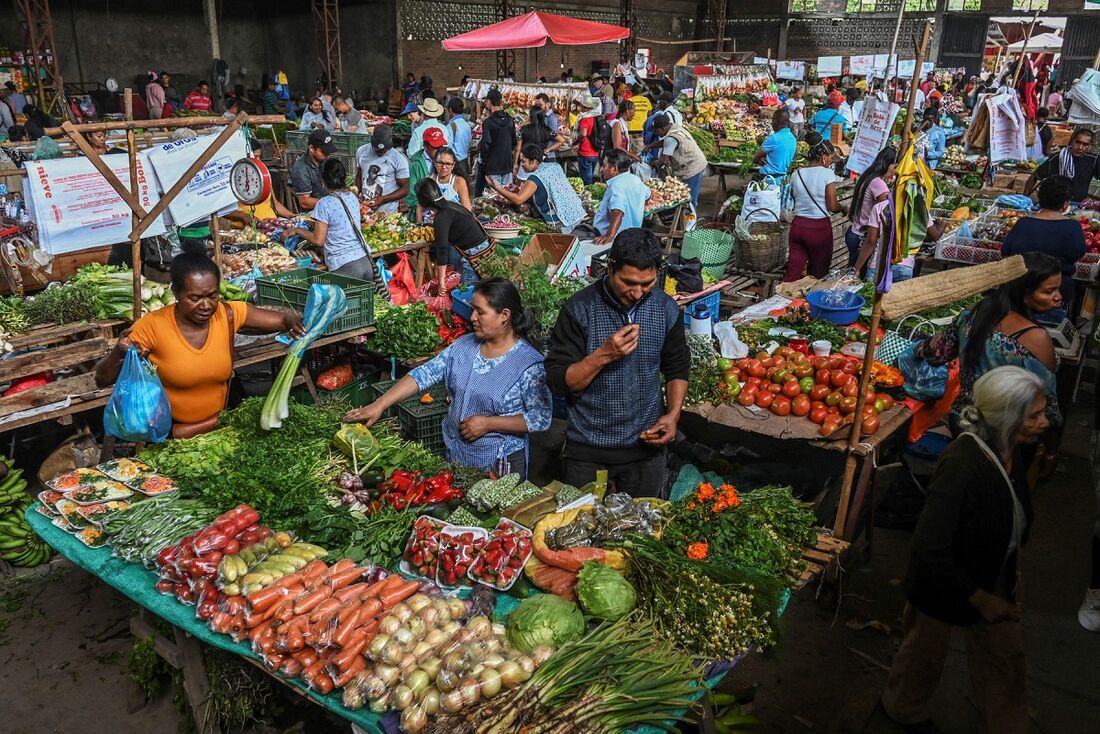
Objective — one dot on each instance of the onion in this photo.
(476, 670)
(421, 650)
(388, 674)
(402, 697)
(417, 680)
(446, 680)
(511, 675)
(392, 653)
(404, 635)
(525, 662)
(451, 702)
(435, 637)
(429, 616)
(463, 635)
(401, 611)
(480, 626)
(414, 719)
(499, 630)
(541, 654)
(374, 651)
(443, 609)
(452, 661)
(456, 607)
(429, 701)
(450, 628)
(490, 682)
(380, 705)
(492, 660)
(416, 626)
(388, 625)
(416, 602)
(407, 663)
(375, 689)
(431, 667)
(493, 644)
(470, 688)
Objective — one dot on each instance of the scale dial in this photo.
(250, 180)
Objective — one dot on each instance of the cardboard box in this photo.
(560, 253)
(1062, 135)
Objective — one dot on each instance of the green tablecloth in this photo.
(136, 582)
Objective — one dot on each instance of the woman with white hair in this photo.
(962, 566)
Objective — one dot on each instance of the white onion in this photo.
(470, 689)
(456, 607)
(541, 654)
(421, 650)
(480, 626)
(429, 701)
(527, 663)
(404, 635)
(435, 637)
(417, 680)
(431, 667)
(490, 682)
(511, 675)
(402, 697)
(374, 650)
(416, 602)
(388, 674)
(451, 701)
(414, 719)
(389, 625)
(416, 626)
(446, 680)
(392, 653)
(429, 616)
(401, 611)
(380, 705)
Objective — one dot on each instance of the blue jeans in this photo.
(854, 242)
(587, 166)
(693, 185)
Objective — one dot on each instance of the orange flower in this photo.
(691, 505)
(705, 491)
(698, 551)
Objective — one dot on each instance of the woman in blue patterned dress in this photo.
(495, 381)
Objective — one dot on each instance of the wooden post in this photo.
(124, 193)
(217, 235)
(135, 240)
(1023, 49)
(882, 261)
(164, 124)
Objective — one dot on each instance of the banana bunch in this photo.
(241, 579)
(423, 233)
(19, 545)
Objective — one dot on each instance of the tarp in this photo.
(1037, 43)
(532, 30)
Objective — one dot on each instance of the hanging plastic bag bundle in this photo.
(138, 408)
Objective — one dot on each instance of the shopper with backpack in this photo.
(589, 138)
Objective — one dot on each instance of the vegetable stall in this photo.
(402, 593)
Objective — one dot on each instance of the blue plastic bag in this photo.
(923, 381)
(138, 409)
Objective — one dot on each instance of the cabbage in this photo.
(544, 619)
(603, 592)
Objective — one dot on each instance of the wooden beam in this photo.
(128, 196)
(178, 186)
(57, 358)
(169, 122)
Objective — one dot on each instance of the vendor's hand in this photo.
(368, 415)
(662, 432)
(491, 183)
(125, 342)
(993, 608)
(474, 428)
(604, 240)
(292, 324)
(622, 343)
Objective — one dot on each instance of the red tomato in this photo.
(822, 377)
(756, 369)
(870, 424)
(833, 398)
(803, 370)
(767, 362)
(821, 363)
(817, 404)
(779, 361)
(791, 388)
(800, 405)
(839, 378)
(819, 392)
(781, 405)
(746, 398)
(733, 371)
(750, 388)
(847, 405)
(835, 362)
(829, 426)
(850, 389)
(764, 400)
(774, 388)
(817, 415)
(849, 366)
(886, 400)
(786, 351)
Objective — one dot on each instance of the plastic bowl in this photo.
(502, 233)
(839, 315)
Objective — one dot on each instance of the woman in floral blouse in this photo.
(495, 381)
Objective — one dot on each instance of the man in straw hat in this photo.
(424, 117)
(588, 154)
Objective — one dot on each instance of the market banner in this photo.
(906, 67)
(861, 65)
(883, 65)
(873, 132)
(75, 208)
(1006, 128)
(209, 191)
(795, 70)
(829, 65)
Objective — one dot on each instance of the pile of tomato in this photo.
(787, 382)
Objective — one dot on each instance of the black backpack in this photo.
(600, 137)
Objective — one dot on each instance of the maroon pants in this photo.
(811, 242)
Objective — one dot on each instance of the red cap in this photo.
(433, 136)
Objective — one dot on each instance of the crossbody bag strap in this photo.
(803, 182)
(351, 220)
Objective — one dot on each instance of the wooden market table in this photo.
(77, 393)
(721, 191)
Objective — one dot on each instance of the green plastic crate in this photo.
(350, 142)
(289, 290)
(297, 139)
(379, 388)
(357, 392)
(423, 422)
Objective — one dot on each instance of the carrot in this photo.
(392, 597)
(342, 565)
(374, 588)
(258, 631)
(251, 620)
(315, 669)
(272, 662)
(345, 623)
(220, 622)
(259, 601)
(267, 647)
(322, 684)
(350, 651)
(326, 607)
(293, 642)
(306, 657)
(291, 668)
(309, 601)
(340, 579)
(233, 604)
(371, 608)
(357, 666)
(348, 593)
(284, 611)
(314, 573)
(390, 582)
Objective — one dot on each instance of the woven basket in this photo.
(765, 255)
(940, 289)
(713, 247)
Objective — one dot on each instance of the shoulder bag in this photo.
(362, 243)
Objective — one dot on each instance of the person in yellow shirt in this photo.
(269, 208)
(191, 343)
(643, 108)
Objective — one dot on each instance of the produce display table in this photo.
(721, 170)
(78, 393)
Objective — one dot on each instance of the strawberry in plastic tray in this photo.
(501, 561)
(422, 547)
(458, 547)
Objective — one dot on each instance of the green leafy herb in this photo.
(407, 332)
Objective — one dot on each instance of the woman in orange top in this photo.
(190, 342)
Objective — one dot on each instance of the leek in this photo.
(324, 304)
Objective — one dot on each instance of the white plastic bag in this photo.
(763, 202)
(730, 345)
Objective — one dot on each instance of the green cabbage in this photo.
(544, 619)
(603, 592)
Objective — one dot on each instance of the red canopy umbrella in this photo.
(532, 30)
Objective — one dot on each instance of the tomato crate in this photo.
(289, 290)
(423, 422)
(438, 392)
(357, 393)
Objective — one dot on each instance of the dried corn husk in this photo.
(940, 289)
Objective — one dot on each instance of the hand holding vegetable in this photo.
(622, 343)
(292, 324)
(662, 432)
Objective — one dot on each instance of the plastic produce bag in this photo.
(402, 284)
(730, 345)
(762, 202)
(138, 409)
(923, 381)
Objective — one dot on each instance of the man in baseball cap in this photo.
(383, 171)
(305, 174)
(422, 164)
(426, 117)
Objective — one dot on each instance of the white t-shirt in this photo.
(797, 109)
(808, 189)
(380, 173)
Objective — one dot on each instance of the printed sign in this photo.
(209, 191)
(873, 132)
(791, 70)
(829, 65)
(861, 65)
